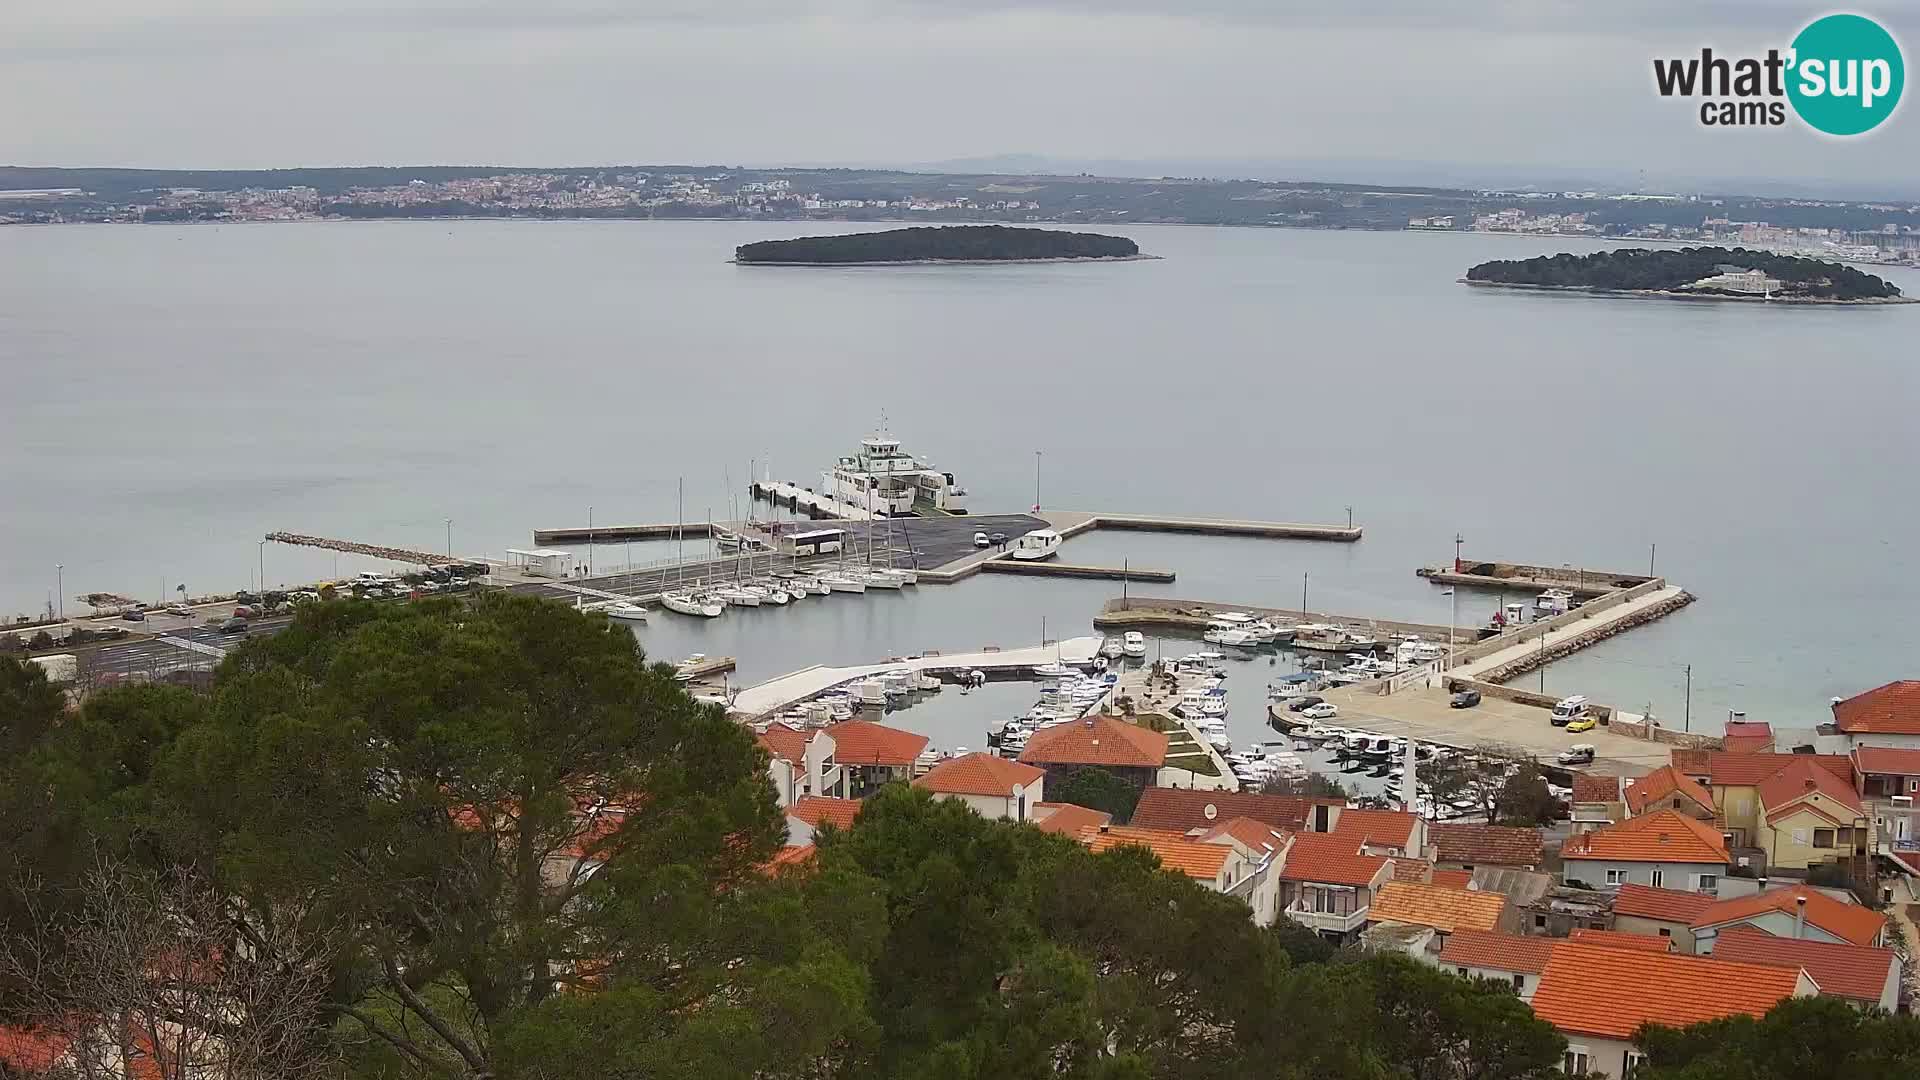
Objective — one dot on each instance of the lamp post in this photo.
(60, 588)
(589, 539)
(263, 565)
(449, 538)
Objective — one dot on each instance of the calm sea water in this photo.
(172, 393)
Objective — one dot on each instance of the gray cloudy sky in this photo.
(1529, 83)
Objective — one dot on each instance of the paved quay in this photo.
(1494, 723)
(1632, 609)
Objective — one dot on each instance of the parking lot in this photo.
(1425, 713)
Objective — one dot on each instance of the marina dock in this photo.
(604, 534)
(704, 666)
(1072, 523)
(1525, 577)
(1050, 568)
(787, 690)
(1154, 613)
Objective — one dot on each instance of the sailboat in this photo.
(679, 598)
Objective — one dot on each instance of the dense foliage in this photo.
(1096, 789)
(1801, 1037)
(1640, 269)
(980, 243)
(488, 841)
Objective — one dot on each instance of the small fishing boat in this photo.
(1134, 644)
(1112, 648)
(626, 610)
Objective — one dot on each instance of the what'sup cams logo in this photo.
(1842, 75)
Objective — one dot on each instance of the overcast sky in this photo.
(1529, 83)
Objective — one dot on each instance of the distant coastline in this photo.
(1674, 294)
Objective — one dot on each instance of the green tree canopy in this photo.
(1096, 789)
(1798, 1038)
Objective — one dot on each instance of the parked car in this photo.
(1323, 711)
(981, 539)
(998, 539)
(1577, 754)
(1465, 699)
(181, 610)
(243, 612)
(134, 615)
(1585, 723)
(1303, 704)
(235, 625)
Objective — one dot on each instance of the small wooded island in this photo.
(1705, 273)
(953, 243)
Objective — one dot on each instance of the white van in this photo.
(1569, 710)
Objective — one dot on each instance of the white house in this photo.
(1664, 849)
(994, 786)
(1487, 954)
(800, 763)
(1883, 716)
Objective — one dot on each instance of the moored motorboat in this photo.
(626, 611)
(1134, 644)
(1112, 648)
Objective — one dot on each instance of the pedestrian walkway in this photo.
(1632, 608)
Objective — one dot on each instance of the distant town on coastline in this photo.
(1702, 271)
(1855, 231)
(958, 243)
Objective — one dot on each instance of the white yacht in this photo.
(1239, 639)
(1134, 644)
(1038, 544)
(737, 596)
(1414, 652)
(687, 603)
(879, 579)
(626, 610)
(840, 581)
(1112, 648)
(883, 479)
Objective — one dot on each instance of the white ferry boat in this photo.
(884, 479)
(1038, 544)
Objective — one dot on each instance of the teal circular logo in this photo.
(1847, 74)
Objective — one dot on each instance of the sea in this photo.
(172, 393)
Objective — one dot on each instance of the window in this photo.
(1616, 877)
(1913, 784)
(1708, 883)
(1658, 877)
(1666, 932)
(1575, 1060)
(1460, 971)
(1539, 922)
(1635, 1059)
(1519, 982)
(1823, 838)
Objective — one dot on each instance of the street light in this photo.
(589, 540)
(60, 588)
(263, 566)
(449, 538)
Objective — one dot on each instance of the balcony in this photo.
(1332, 922)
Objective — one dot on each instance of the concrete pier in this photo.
(1155, 613)
(1530, 578)
(1048, 568)
(612, 533)
(775, 695)
(1071, 523)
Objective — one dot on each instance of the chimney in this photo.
(1800, 916)
(1106, 826)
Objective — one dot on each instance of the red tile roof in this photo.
(32, 1050)
(792, 855)
(1620, 939)
(1662, 836)
(1452, 879)
(1186, 809)
(815, 809)
(1502, 952)
(1258, 836)
(1176, 852)
(1407, 868)
(1097, 740)
(1748, 728)
(862, 742)
(1331, 860)
(980, 774)
(1595, 787)
(1376, 828)
(1444, 909)
(1850, 971)
(1893, 709)
(1497, 845)
(1801, 781)
(785, 742)
(1662, 782)
(1663, 905)
(1692, 762)
(1724, 769)
(1887, 760)
(1608, 993)
(1849, 922)
(1066, 818)
(1747, 744)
